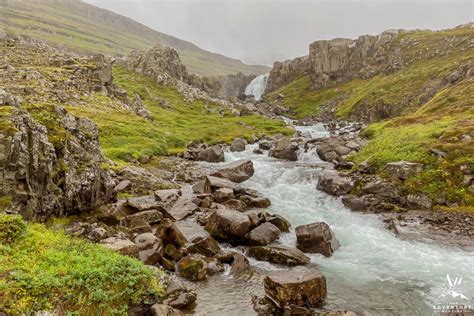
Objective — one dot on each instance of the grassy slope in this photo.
(86, 28)
(42, 269)
(437, 123)
(124, 135)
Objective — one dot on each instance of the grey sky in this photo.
(262, 31)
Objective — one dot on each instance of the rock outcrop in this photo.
(285, 72)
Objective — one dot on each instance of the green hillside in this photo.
(86, 28)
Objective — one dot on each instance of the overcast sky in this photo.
(263, 31)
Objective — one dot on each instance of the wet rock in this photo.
(354, 203)
(265, 144)
(234, 204)
(316, 238)
(279, 254)
(167, 196)
(182, 208)
(279, 221)
(263, 235)
(239, 263)
(284, 148)
(183, 300)
(264, 306)
(151, 217)
(339, 313)
(165, 310)
(223, 195)
(217, 183)
(237, 171)
(193, 267)
(403, 169)
(225, 224)
(238, 145)
(299, 288)
(419, 201)
(211, 154)
(334, 184)
(169, 233)
(121, 245)
(202, 187)
(150, 248)
(258, 151)
(257, 202)
(205, 246)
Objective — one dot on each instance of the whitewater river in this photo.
(372, 272)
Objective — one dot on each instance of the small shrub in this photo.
(12, 228)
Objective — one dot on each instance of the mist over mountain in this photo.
(263, 31)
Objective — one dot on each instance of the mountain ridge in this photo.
(84, 27)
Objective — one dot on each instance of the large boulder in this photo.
(150, 217)
(300, 288)
(237, 171)
(382, 189)
(150, 248)
(279, 254)
(206, 246)
(223, 195)
(403, 169)
(193, 267)
(217, 183)
(165, 310)
(263, 235)
(231, 225)
(284, 148)
(182, 208)
(333, 184)
(255, 202)
(121, 245)
(238, 145)
(316, 238)
(202, 187)
(211, 154)
(169, 233)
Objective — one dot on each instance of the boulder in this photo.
(237, 171)
(234, 204)
(167, 196)
(211, 154)
(263, 235)
(316, 238)
(279, 254)
(403, 169)
(284, 148)
(239, 263)
(419, 201)
(225, 224)
(224, 194)
(334, 184)
(121, 245)
(170, 234)
(279, 221)
(202, 187)
(265, 144)
(299, 288)
(123, 186)
(381, 189)
(193, 267)
(142, 203)
(217, 183)
(238, 145)
(205, 246)
(92, 232)
(354, 203)
(165, 310)
(182, 208)
(258, 151)
(255, 202)
(150, 248)
(151, 217)
(182, 300)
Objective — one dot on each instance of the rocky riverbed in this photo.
(249, 219)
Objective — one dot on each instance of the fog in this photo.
(263, 31)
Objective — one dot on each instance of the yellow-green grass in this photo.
(125, 135)
(46, 270)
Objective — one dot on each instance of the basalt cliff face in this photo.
(285, 72)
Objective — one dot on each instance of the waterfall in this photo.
(257, 86)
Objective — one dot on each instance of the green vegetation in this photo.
(43, 269)
(439, 124)
(124, 135)
(86, 28)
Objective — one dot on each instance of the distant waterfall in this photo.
(257, 86)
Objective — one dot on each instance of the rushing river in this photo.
(372, 272)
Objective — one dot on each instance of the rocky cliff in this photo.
(50, 161)
(285, 72)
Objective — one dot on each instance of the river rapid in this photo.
(373, 272)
